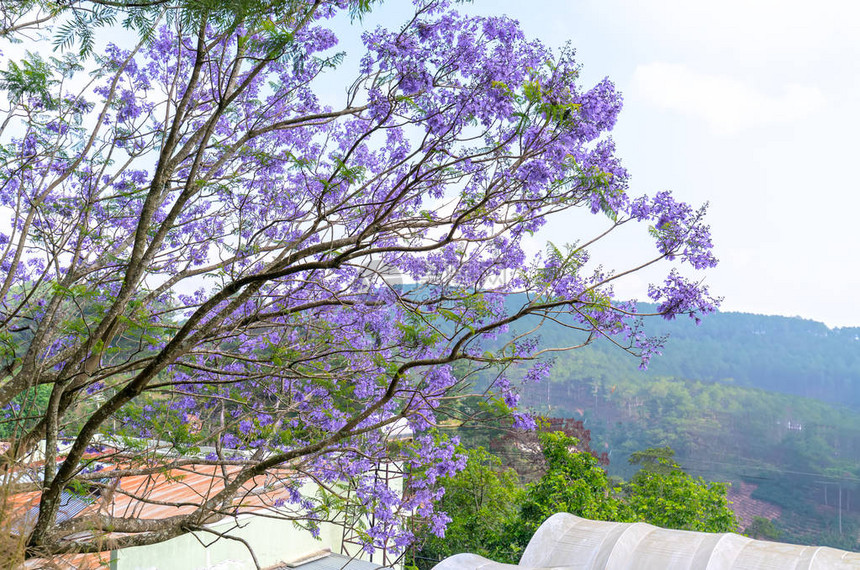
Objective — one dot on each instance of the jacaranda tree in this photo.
(198, 253)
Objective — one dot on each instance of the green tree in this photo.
(662, 494)
(573, 483)
(495, 517)
(79, 20)
(762, 528)
(481, 501)
(654, 459)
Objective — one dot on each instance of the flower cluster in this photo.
(204, 255)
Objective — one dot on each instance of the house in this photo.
(258, 534)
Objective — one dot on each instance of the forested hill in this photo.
(771, 404)
(789, 355)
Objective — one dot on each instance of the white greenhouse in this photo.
(567, 542)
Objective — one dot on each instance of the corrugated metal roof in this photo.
(335, 562)
(163, 494)
(70, 506)
(180, 490)
(94, 561)
(173, 492)
(167, 493)
(154, 496)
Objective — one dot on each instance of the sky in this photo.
(752, 106)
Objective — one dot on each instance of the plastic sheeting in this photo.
(567, 542)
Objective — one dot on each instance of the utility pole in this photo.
(839, 488)
(840, 509)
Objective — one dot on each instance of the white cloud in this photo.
(754, 33)
(727, 104)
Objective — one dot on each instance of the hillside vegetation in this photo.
(767, 403)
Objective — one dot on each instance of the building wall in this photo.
(274, 541)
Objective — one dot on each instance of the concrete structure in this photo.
(262, 522)
(567, 542)
(277, 543)
(260, 525)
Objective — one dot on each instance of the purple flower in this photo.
(316, 283)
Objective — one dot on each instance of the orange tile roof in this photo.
(174, 491)
(180, 490)
(94, 561)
